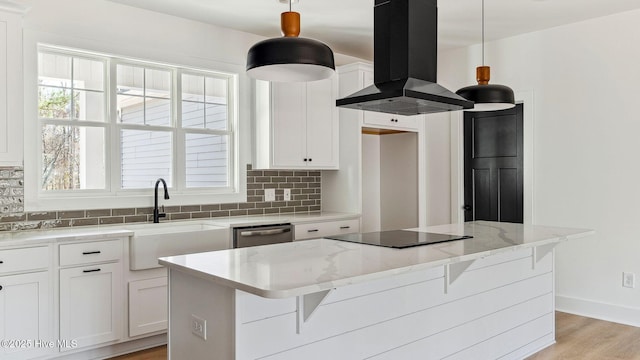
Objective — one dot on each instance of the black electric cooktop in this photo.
(398, 239)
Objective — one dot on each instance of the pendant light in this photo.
(290, 58)
(487, 97)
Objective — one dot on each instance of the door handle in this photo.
(264, 232)
(467, 208)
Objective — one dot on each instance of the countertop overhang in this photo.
(310, 266)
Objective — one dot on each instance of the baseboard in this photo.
(603, 311)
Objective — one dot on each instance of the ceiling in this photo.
(347, 25)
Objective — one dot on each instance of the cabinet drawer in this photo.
(90, 252)
(24, 259)
(318, 230)
(390, 120)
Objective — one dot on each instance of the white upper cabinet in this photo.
(11, 94)
(296, 125)
(384, 120)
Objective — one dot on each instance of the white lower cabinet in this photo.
(90, 300)
(24, 315)
(147, 306)
(327, 228)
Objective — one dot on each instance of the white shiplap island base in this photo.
(490, 297)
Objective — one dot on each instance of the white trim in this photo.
(598, 310)
(457, 167)
(457, 160)
(528, 99)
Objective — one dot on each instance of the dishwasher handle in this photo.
(263, 232)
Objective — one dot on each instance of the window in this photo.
(114, 125)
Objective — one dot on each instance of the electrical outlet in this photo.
(628, 280)
(270, 195)
(287, 194)
(199, 327)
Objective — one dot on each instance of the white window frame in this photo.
(113, 196)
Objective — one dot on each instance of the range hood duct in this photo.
(405, 57)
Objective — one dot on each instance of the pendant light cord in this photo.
(482, 32)
(292, 0)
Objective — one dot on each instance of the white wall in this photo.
(398, 181)
(370, 183)
(584, 80)
(438, 164)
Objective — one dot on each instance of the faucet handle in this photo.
(162, 207)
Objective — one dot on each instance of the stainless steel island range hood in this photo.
(405, 62)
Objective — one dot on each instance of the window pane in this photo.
(215, 114)
(216, 90)
(89, 105)
(54, 103)
(192, 114)
(193, 87)
(55, 76)
(73, 157)
(158, 112)
(54, 69)
(88, 74)
(130, 80)
(158, 83)
(146, 156)
(207, 159)
(131, 109)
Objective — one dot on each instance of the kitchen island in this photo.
(488, 297)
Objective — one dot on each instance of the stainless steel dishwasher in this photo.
(246, 236)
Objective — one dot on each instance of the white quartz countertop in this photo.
(66, 234)
(19, 238)
(304, 267)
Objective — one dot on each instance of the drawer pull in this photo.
(0, 287)
(345, 227)
(90, 271)
(1, 262)
(313, 230)
(90, 252)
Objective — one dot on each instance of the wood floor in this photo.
(582, 338)
(577, 338)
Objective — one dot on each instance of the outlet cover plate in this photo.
(287, 194)
(628, 280)
(199, 327)
(270, 195)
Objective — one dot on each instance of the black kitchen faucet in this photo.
(156, 214)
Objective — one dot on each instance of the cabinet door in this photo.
(24, 314)
(147, 306)
(385, 120)
(322, 124)
(11, 89)
(288, 126)
(90, 304)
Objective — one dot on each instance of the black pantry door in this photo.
(493, 165)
